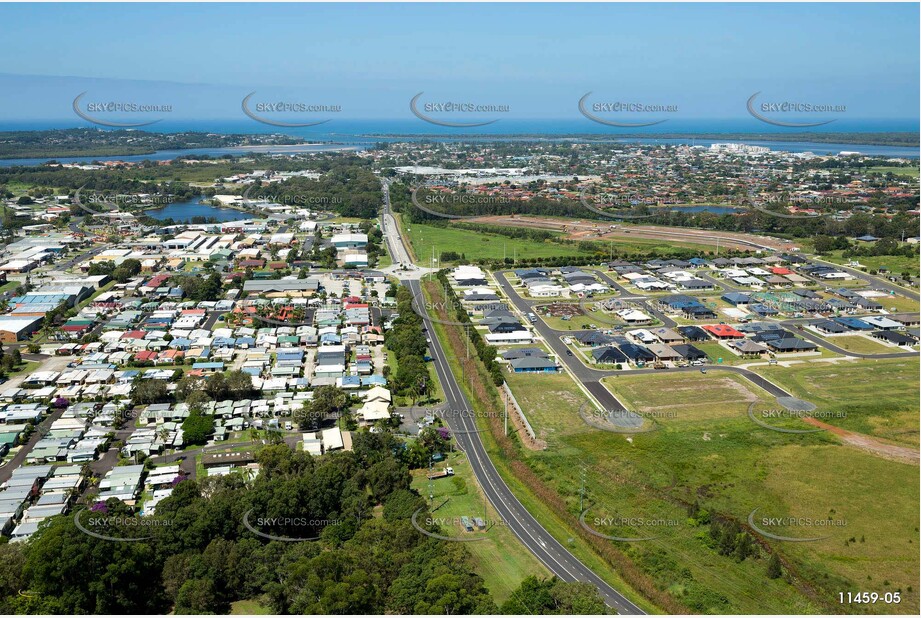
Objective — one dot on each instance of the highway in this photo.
(528, 530)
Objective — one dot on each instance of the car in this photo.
(703, 370)
(568, 352)
(288, 426)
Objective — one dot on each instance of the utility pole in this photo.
(431, 488)
(506, 412)
(582, 491)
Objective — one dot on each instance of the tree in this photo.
(239, 384)
(773, 568)
(216, 386)
(327, 400)
(386, 477)
(145, 392)
(197, 427)
(83, 575)
(553, 596)
(196, 400)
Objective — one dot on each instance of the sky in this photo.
(538, 59)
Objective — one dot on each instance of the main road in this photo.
(529, 531)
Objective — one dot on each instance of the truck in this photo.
(449, 471)
(532, 317)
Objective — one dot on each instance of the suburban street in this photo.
(590, 378)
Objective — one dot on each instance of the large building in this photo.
(349, 241)
(13, 329)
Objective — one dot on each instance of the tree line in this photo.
(204, 552)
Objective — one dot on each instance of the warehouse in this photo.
(13, 329)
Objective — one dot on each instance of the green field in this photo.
(709, 451)
(677, 397)
(249, 607)
(501, 560)
(861, 345)
(897, 264)
(898, 171)
(877, 397)
(715, 351)
(477, 245)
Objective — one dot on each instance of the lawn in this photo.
(911, 171)
(435, 397)
(715, 352)
(876, 397)
(558, 323)
(862, 345)
(675, 398)
(250, 607)
(501, 560)
(551, 403)
(897, 264)
(26, 367)
(477, 245)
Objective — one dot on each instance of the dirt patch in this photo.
(559, 310)
(870, 444)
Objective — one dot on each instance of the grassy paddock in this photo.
(710, 452)
(477, 245)
(876, 397)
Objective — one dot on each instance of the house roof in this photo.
(723, 330)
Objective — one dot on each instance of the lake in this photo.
(184, 211)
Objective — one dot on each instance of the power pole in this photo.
(506, 412)
(431, 488)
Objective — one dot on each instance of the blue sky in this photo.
(536, 58)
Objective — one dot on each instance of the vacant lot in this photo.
(875, 397)
(684, 397)
(896, 264)
(711, 454)
(477, 245)
(861, 344)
